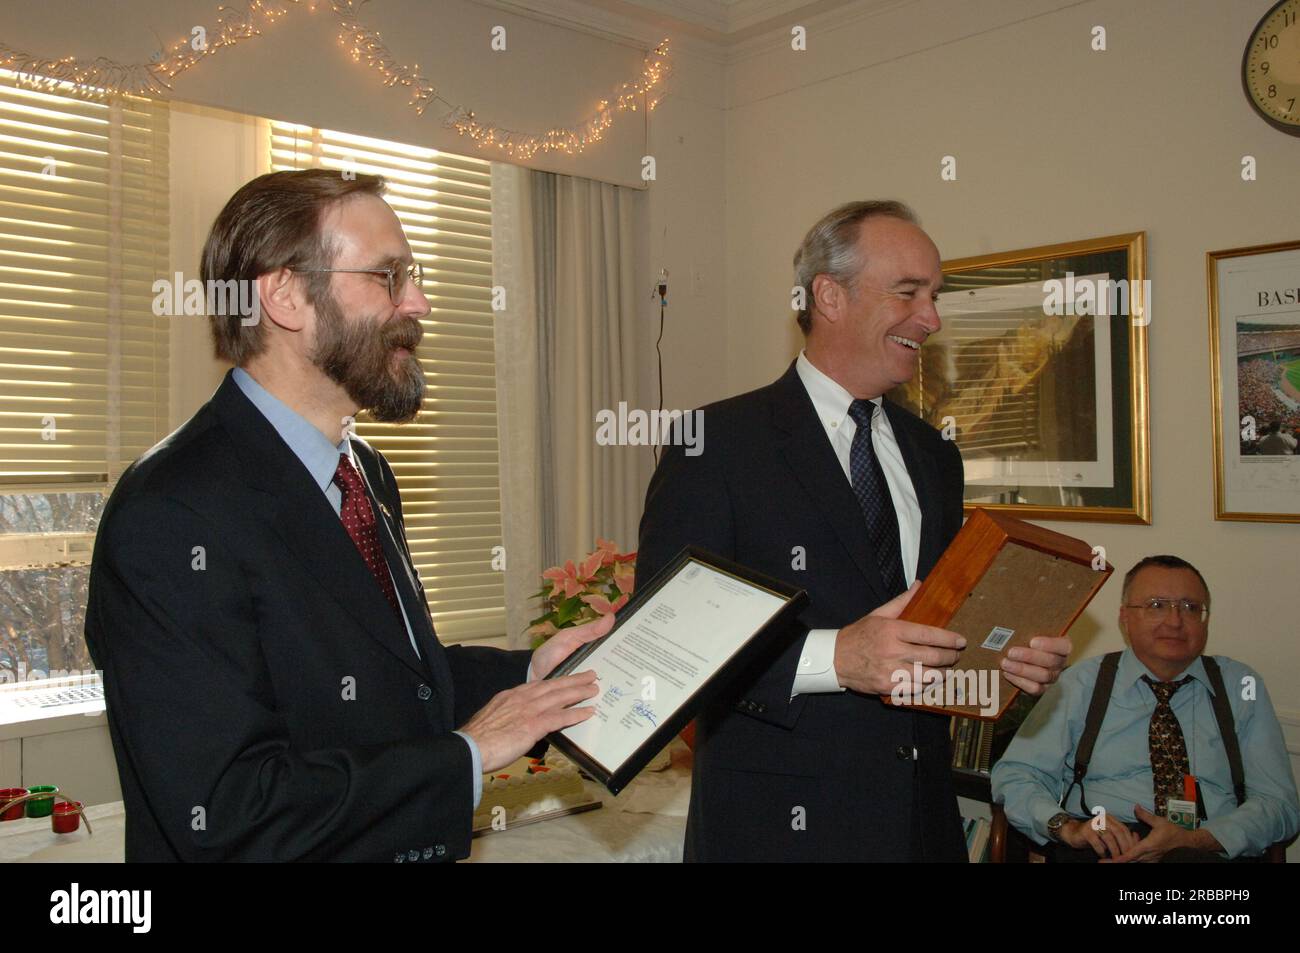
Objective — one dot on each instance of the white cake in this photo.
(527, 788)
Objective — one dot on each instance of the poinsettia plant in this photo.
(574, 594)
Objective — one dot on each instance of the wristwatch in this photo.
(1055, 823)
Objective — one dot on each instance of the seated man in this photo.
(1159, 740)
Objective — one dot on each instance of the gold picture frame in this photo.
(1040, 376)
(1255, 480)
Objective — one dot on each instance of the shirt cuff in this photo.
(477, 764)
(816, 671)
(1041, 811)
(1230, 837)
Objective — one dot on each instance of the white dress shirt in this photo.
(816, 671)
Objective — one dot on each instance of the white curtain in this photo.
(568, 343)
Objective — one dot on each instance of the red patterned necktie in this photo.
(359, 520)
(1168, 748)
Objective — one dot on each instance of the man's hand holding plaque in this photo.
(873, 654)
(1012, 589)
(868, 652)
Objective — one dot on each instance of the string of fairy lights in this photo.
(102, 76)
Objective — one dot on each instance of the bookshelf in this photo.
(976, 747)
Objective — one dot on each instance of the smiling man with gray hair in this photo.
(819, 481)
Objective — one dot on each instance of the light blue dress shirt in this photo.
(321, 458)
(1033, 774)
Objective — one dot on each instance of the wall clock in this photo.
(1270, 67)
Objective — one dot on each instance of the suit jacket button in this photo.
(399, 858)
(427, 853)
(424, 692)
(440, 850)
(904, 754)
(760, 708)
(412, 855)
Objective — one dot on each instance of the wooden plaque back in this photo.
(1002, 571)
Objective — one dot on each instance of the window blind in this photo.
(83, 237)
(446, 460)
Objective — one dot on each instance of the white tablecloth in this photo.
(644, 823)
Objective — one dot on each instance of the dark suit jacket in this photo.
(768, 481)
(263, 698)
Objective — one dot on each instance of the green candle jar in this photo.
(42, 806)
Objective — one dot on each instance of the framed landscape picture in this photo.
(1040, 376)
(1254, 296)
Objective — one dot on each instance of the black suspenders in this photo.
(1097, 711)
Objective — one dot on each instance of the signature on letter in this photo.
(643, 709)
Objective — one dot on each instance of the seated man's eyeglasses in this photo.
(1155, 608)
(397, 274)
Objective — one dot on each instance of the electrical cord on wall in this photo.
(661, 289)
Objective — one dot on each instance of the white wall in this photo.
(687, 211)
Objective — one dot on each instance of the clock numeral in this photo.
(1288, 17)
(1263, 67)
(1290, 104)
(1272, 91)
(1269, 42)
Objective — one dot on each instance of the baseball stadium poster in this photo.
(1254, 298)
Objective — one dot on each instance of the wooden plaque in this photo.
(1001, 582)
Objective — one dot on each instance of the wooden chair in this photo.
(1008, 846)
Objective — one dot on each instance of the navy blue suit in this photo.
(767, 482)
(263, 698)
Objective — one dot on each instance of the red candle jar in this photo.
(66, 817)
(8, 813)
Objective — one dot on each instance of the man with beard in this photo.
(275, 688)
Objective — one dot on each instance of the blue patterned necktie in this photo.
(873, 495)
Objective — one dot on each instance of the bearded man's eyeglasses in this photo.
(398, 275)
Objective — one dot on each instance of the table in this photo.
(645, 823)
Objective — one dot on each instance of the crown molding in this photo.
(833, 18)
(713, 15)
(718, 31)
(639, 32)
(746, 14)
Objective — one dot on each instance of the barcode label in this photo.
(998, 638)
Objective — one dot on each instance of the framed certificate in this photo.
(700, 621)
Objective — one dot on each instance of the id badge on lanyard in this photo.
(1186, 811)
